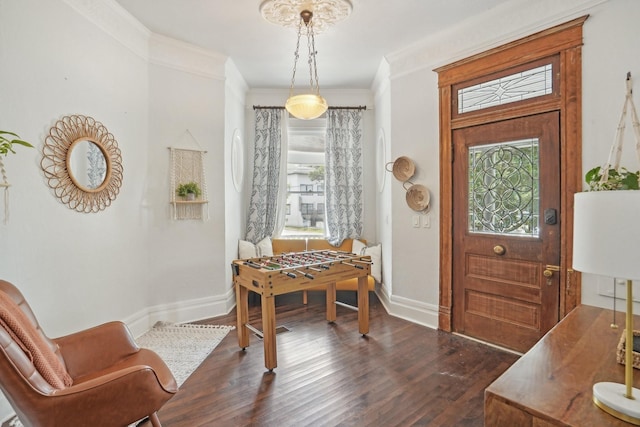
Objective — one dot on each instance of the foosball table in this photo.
(292, 272)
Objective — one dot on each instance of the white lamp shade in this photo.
(606, 233)
(306, 106)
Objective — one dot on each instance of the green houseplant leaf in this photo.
(621, 179)
(189, 188)
(6, 142)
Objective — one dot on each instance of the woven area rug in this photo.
(183, 347)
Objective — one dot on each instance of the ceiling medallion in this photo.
(287, 12)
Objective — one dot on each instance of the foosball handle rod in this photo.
(307, 275)
(353, 265)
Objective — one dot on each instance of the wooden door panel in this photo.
(506, 333)
(502, 296)
(509, 272)
(503, 309)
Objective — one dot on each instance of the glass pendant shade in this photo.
(306, 106)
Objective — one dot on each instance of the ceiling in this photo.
(349, 53)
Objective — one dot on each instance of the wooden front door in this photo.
(506, 230)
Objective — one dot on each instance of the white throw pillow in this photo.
(260, 249)
(375, 252)
(264, 247)
(246, 250)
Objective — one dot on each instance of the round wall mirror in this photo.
(82, 163)
(89, 166)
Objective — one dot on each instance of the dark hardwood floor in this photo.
(328, 374)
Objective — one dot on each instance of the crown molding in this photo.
(114, 20)
(171, 53)
(160, 50)
(517, 19)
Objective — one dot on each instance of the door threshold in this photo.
(499, 347)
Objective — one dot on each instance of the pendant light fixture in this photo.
(310, 105)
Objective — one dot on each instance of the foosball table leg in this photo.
(363, 305)
(331, 302)
(242, 311)
(269, 331)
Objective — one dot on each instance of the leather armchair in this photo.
(115, 383)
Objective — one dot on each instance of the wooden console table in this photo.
(551, 384)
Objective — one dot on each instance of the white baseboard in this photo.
(181, 312)
(404, 308)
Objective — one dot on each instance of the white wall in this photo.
(73, 267)
(383, 143)
(186, 110)
(610, 50)
(131, 261)
(235, 213)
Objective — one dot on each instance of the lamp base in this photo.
(610, 397)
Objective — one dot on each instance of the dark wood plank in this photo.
(328, 374)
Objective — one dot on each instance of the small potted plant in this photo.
(189, 190)
(617, 179)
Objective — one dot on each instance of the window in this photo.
(305, 179)
(538, 79)
(504, 188)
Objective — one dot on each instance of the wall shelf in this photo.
(187, 166)
(189, 202)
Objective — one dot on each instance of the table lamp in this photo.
(606, 241)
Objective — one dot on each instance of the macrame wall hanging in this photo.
(188, 189)
(5, 184)
(615, 153)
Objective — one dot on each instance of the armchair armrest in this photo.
(133, 389)
(96, 348)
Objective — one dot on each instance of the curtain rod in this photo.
(279, 107)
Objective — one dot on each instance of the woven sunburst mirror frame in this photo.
(69, 136)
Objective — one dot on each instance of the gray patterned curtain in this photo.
(343, 150)
(262, 217)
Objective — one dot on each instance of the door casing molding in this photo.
(564, 40)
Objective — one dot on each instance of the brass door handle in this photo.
(499, 250)
(549, 269)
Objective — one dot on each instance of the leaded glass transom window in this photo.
(526, 84)
(504, 188)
